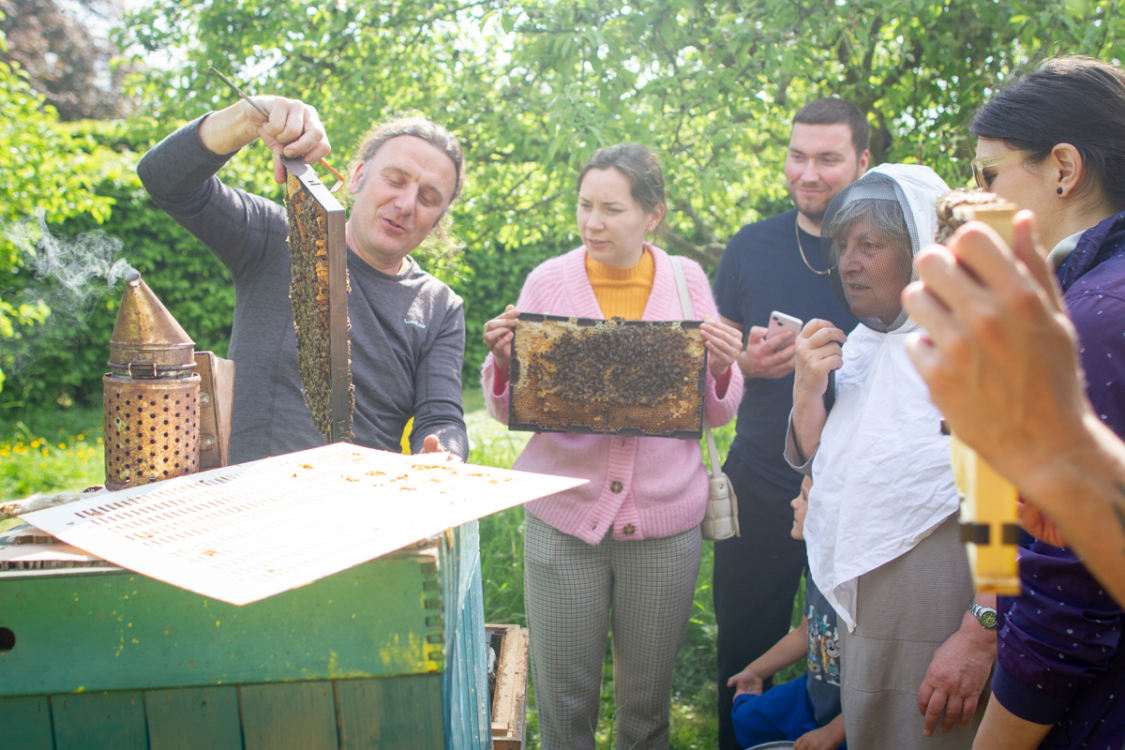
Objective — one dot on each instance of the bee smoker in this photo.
(151, 395)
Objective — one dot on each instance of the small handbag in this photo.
(721, 518)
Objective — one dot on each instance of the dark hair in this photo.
(835, 111)
(419, 127)
(640, 165)
(431, 133)
(1075, 100)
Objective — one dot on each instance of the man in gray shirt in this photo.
(407, 328)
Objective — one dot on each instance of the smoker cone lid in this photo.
(147, 341)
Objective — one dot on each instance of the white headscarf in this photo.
(882, 480)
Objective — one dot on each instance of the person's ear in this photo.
(1068, 169)
(861, 165)
(657, 215)
(356, 181)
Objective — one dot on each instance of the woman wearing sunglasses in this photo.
(1054, 142)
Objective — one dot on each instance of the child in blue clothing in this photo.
(805, 711)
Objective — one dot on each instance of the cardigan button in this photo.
(616, 487)
(629, 529)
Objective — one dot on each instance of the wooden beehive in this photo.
(621, 377)
(388, 654)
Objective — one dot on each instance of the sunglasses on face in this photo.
(983, 162)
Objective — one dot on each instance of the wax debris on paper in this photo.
(245, 532)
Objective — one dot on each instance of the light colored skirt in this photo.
(905, 610)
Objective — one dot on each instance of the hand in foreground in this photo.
(1039, 525)
(770, 358)
(956, 678)
(498, 335)
(432, 444)
(818, 352)
(723, 342)
(746, 682)
(999, 353)
(293, 130)
(828, 737)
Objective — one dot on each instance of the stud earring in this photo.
(1059, 191)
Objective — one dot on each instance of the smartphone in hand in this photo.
(779, 322)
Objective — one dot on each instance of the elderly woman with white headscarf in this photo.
(881, 530)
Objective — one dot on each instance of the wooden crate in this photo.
(509, 698)
(388, 654)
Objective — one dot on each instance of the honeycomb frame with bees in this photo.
(318, 293)
(611, 377)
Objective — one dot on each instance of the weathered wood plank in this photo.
(25, 723)
(509, 706)
(193, 718)
(404, 713)
(133, 632)
(289, 716)
(98, 721)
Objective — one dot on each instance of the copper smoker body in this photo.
(151, 429)
(150, 400)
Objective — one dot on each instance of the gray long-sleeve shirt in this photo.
(407, 331)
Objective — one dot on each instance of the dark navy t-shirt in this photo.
(762, 271)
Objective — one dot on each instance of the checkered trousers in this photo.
(574, 592)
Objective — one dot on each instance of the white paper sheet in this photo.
(249, 531)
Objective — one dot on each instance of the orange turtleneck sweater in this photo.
(622, 292)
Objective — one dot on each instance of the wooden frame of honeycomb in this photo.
(318, 292)
(616, 377)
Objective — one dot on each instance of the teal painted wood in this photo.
(289, 716)
(120, 630)
(100, 721)
(404, 713)
(465, 679)
(193, 718)
(25, 723)
(418, 616)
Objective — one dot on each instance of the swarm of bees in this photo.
(629, 366)
(308, 293)
(611, 377)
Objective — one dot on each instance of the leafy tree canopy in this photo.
(534, 87)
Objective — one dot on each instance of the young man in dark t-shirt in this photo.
(775, 265)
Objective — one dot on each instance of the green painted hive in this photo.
(388, 654)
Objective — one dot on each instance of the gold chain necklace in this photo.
(797, 231)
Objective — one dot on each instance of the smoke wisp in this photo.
(70, 276)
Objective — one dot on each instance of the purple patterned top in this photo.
(1061, 653)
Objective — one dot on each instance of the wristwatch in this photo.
(986, 616)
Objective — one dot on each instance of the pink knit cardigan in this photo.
(639, 487)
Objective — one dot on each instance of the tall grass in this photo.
(63, 451)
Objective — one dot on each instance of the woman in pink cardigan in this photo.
(624, 548)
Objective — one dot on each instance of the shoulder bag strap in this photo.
(685, 307)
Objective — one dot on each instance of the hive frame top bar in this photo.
(592, 322)
(514, 423)
(337, 294)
